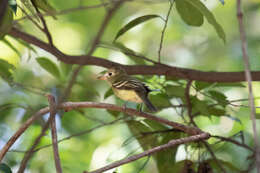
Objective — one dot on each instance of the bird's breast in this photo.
(127, 95)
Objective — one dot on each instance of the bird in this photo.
(126, 87)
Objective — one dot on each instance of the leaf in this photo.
(108, 93)
(219, 97)
(6, 22)
(13, 5)
(25, 44)
(209, 16)
(189, 14)
(202, 85)
(160, 100)
(49, 66)
(175, 91)
(45, 6)
(4, 168)
(134, 23)
(6, 70)
(11, 47)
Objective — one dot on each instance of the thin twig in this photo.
(249, 81)
(29, 153)
(233, 141)
(171, 143)
(99, 34)
(53, 111)
(164, 29)
(45, 28)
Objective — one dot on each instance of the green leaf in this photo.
(209, 16)
(108, 93)
(4, 168)
(49, 66)
(202, 85)
(6, 70)
(175, 91)
(27, 4)
(160, 100)
(6, 22)
(189, 14)
(219, 97)
(133, 23)
(216, 111)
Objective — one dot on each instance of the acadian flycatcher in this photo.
(127, 88)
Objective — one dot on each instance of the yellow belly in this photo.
(128, 95)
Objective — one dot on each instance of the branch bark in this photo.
(248, 77)
(76, 105)
(171, 143)
(53, 111)
(158, 69)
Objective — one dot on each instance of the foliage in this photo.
(97, 137)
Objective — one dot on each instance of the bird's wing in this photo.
(129, 84)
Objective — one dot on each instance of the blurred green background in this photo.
(184, 46)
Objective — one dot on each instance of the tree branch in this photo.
(76, 105)
(171, 143)
(249, 81)
(159, 69)
(53, 111)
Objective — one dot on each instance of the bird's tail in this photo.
(149, 105)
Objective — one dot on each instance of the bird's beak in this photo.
(102, 76)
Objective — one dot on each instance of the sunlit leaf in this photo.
(49, 66)
(230, 85)
(4, 168)
(134, 23)
(189, 14)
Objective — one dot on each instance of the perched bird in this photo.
(127, 88)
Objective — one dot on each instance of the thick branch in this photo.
(159, 69)
(76, 105)
(171, 143)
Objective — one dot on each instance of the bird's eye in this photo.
(110, 74)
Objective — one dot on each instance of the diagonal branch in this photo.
(159, 69)
(171, 143)
(76, 105)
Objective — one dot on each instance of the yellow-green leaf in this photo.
(189, 14)
(49, 66)
(135, 22)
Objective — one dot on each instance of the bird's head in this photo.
(112, 74)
